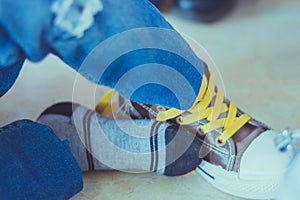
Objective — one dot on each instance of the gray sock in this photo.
(126, 145)
(101, 143)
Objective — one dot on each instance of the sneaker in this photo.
(163, 5)
(200, 10)
(288, 189)
(203, 10)
(239, 154)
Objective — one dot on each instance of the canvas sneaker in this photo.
(239, 154)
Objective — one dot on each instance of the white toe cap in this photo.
(262, 161)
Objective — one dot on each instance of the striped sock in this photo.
(126, 145)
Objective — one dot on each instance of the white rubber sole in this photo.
(229, 182)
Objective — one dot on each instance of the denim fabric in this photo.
(36, 36)
(116, 17)
(11, 61)
(27, 23)
(8, 76)
(35, 164)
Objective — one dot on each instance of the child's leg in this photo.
(43, 34)
(156, 44)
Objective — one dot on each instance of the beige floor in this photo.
(257, 50)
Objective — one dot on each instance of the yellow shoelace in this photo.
(105, 106)
(201, 110)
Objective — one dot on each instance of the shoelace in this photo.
(105, 106)
(287, 139)
(202, 110)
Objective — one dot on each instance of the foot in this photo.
(100, 143)
(239, 155)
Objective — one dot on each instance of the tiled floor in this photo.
(256, 50)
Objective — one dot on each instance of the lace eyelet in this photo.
(160, 108)
(179, 120)
(200, 131)
(219, 142)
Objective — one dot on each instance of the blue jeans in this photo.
(35, 164)
(37, 38)
(23, 36)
